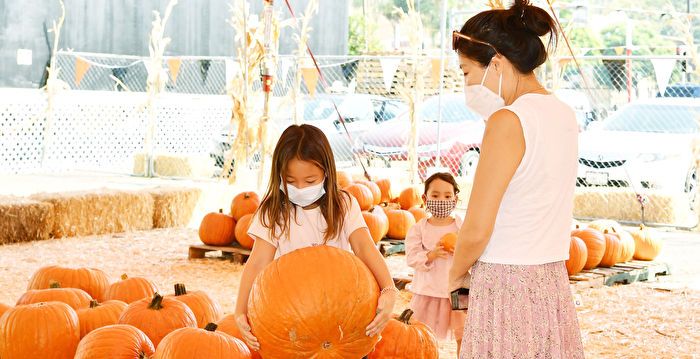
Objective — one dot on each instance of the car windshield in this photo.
(453, 110)
(349, 107)
(655, 118)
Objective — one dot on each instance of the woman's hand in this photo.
(385, 307)
(459, 282)
(244, 328)
(437, 252)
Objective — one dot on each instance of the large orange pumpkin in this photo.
(627, 243)
(241, 232)
(244, 203)
(187, 343)
(98, 315)
(74, 297)
(403, 338)
(158, 316)
(613, 249)
(647, 243)
(377, 223)
(129, 290)
(418, 212)
(410, 197)
(385, 189)
(344, 179)
(390, 207)
(374, 188)
(448, 242)
(578, 255)
(399, 223)
(47, 330)
(205, 308)
(117, 341)
(217, 229)
(595, 245)
(228, 325)
(296, 308)
(362, 194)
(91, 280)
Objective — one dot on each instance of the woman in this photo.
(515, 237)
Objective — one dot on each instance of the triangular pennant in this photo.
(435, 73)
(310, 76)
(81, 67)
(231, 70)
(174, 65)
(389, 67)
(663, 69)
(691, 16)
(619, 50)
(284, 67)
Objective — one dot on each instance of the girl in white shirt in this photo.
(303, 207)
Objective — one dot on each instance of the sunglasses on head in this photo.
(456, 35)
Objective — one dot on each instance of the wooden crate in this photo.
(388, 247)
(235, 252)
(623, 273)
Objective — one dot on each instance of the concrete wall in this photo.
(196, 27)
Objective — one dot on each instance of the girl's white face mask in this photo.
(482, 100)
(304, 196)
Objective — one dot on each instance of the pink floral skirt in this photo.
(437, 314)
(521, 311)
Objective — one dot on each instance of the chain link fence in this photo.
(637, 143)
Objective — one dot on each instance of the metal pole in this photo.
(443, 32)
(628, 41)
(245, 82)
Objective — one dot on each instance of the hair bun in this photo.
(531, 18)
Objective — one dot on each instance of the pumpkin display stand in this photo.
(234, 252)
(621, 273)
(388, 246)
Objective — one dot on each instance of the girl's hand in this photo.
(244, 328)
(437, 252)
(385, 307)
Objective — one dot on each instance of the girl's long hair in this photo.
(306, 143)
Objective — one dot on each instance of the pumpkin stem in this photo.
(211, 327)
(577, 227)
(180, 289)
(641, 227)
(246, 195)
(605, 231)
(405, 317)
(143, 355)
(221, 210)
(94, 304)
(124, 276)
(157, 302)
(54, 284)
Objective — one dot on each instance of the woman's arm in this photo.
(502, 150)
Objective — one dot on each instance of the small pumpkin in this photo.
(410, 197)
(374, 188)
(91, 280)
(115, 341)
(228, 325)
(244, 203)
(448, 242)
(399, 223)
(158, 316)
(627, 243)
(403, 338)
(98, 315)
(602, 225)
(613, 249)
(205, 308)
(595, 245)
(384, 185)
(344, 179)
(418, 212)
(187, 343)
(241, 232)
(131, 289)
(362, 194)
(46, 330)
(647, 243)
(377, 223)
(578, 255)
(217, 229)
(74, 297)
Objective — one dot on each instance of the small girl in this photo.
(304, 207)
(432, 262)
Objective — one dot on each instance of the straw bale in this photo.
(622, 204)
(184, 165)
(139, 164)
(173, 206)
(99, 211)
(23, 219)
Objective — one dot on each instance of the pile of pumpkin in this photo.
(605, 243)
(221, 229)
(384, 214)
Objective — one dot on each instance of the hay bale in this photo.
(140, 164)
(173, 206)
(621, 204)
(22, 219)
(184, 165)
(99, 211)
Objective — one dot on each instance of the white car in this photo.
(646, 144)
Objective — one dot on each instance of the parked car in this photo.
(461, 131)
(681, 90)
(645, 145)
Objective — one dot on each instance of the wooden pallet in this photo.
(235, 252)
(623, 273)
(388, 247)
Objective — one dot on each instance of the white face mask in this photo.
(304, 196)
(482, 100)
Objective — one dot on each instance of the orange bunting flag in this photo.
(81, 67)
(436, 70)
(310, 76)
(619, 50)
(691, 16)
(174, 65)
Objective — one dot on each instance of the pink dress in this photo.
(430, 302)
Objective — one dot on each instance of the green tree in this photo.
(356, 35)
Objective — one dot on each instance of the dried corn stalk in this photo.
(303, 59)
(495, 4)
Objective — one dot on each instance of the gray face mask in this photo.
(304, 196)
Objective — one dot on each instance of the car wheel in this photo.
(468, 163)
(691, 186)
